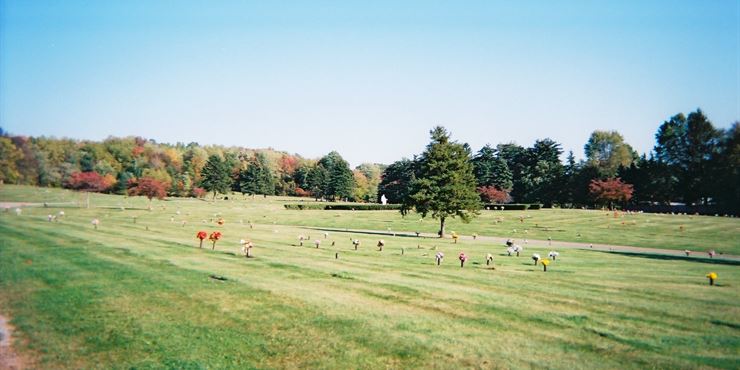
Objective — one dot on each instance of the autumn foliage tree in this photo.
(492, 194)
(610, 191)
(90, 181)
(148, 187)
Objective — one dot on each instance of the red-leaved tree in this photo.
(147, 187)
(197, 192)
(90, 181)
(492, 194)
(610, 191)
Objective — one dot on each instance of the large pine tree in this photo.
(257, 177)
(445, 186)
(216, 175)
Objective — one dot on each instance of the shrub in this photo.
(299, 192)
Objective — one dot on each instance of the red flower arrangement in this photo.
(214, 237)
(201, 235)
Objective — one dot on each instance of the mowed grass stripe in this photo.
(63, 303)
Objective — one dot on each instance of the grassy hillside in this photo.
(140, 294)
(697, 233)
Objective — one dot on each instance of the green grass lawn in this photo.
(139, 294)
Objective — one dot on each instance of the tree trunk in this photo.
(441, 227)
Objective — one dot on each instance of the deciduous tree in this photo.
(610, 191)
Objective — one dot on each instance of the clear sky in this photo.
(368, 78)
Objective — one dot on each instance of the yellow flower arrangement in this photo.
(712, 277)
(545, 262)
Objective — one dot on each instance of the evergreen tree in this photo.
(566, 196)
(396, 181)
(257, 177)
(216, 176)
(726, 170)
(332, 178)
(445, 186)
(317, 180)
(341, 180)
(687, 145)
(491, 169)
(542, 174)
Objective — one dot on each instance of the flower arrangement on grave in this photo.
(201, 235)
(214, 237)
(545, 262)
(462, 257)
(439, 257)
(712, 277)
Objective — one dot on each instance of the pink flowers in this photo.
(462, 258)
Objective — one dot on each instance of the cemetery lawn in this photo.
(142, 294)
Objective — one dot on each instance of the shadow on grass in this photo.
(713, 261)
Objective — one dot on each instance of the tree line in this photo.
(117, 165)
(692, 162)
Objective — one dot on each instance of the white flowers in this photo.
(439, 257)
(356, 243)
(18, 211)
(317, 242)
(246, 247)
(553, 255)
(95, 222)
(514, 248)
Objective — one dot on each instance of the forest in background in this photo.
(693, 163)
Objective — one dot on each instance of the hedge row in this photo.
(344, 207)
(513, 206)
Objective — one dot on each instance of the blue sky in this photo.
(369, 78)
